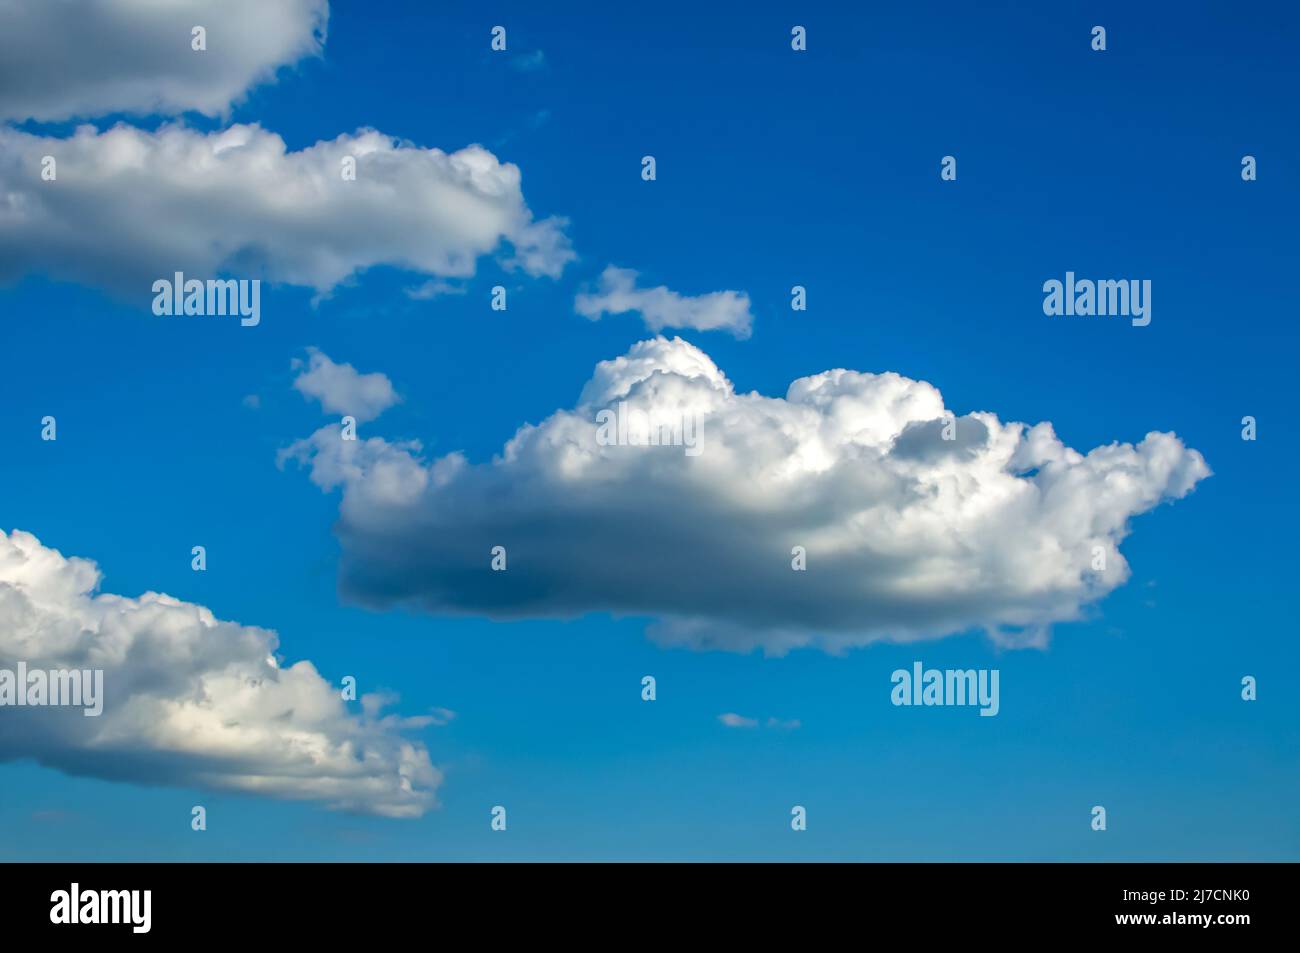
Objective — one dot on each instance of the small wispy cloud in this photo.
(661, 307)
(535, 121)
(442, 716)
(732, 720)
(529, 62)
(434, 288)
(341, 389)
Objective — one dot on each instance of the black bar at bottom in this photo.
(627, 902)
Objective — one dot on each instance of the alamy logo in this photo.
(634, 428)
(78, 688)
(181, 296)
(133, 907)
(1106, 298)
(951, 686)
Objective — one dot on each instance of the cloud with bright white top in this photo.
(915, 523)
(239, 202)
(190, 700)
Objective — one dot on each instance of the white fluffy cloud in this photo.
(191, 700)
(69, 59)
(341, 390)
(908, 535)
(130, 206)
(661, 307)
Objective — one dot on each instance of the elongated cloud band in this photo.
(74, 59)
(661, 307)
(913, 524)
(190, 700)
(238, 201)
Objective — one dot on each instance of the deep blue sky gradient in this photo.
(774, 169)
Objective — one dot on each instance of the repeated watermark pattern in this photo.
(850, 508)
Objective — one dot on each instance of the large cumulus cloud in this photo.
(908, 535)
(69, 59)
(130, 206)
(191, 700)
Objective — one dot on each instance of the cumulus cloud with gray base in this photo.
(191, 700)
(235, 201)
(908, 535)
(238, 201)
(74, 59)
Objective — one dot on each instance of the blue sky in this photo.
(774, 169)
